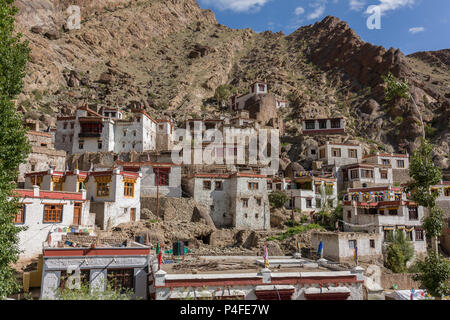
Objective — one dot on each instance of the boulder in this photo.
(52, 35)
(200, 213)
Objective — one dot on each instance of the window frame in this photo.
(102, 187)
(128, 189)
(21, 213)
(46, 215)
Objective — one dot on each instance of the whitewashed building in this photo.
(384, 210)
(114, 194)
(363, 175)
(339, 154)
(323, 126)
(43, 211)
(237, 200)
(123, 268)
(398, 162)
(340, 246)
(163, 179)
(297, 279)
(89, 131)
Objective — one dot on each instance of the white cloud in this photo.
(320, 9)
(357, 5)
(388, 5)
(299, 11)
(236, 5)
(416, 30)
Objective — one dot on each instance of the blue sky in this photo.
(411, 25)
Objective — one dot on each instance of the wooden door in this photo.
(77, 214)
(133, 214)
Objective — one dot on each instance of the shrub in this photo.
(399, 252)
(278, 199)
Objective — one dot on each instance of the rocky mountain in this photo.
(170, 55)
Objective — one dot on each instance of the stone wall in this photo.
(403, 281)
(180, 209)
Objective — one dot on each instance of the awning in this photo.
(389, 228)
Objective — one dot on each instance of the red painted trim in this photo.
(258, 281)
(96, 252)
(328, 296)
(21, 193)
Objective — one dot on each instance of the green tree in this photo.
(434, 275)
(85, 293)
(14, 146)
(424, 175)
(223, 93)
(396, 89)
(278, 199)
(399, 252)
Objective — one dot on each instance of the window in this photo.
(367, 174)
(384, 174)
(393, 212)
(349, 214)
(385, 162)
(269, 185)
(100, 145)
(310, 125)
(322, 153)
(134, 133)
(71, 125)
(419, 235)
(80, 144)
(322, 124)
(121, 279)
(335, 123)
(219, 185)
(65, 125)
(207, 185)
(400, 163)
(409, 235)
(336, 152)
(53, 213)
(309, 203)
(256, 216)
(258, 201)
(245, 203)
(352, 244)
(318, 203)
(124, 133)
(58, 186)
(278, 186)
(354, 174)
(447, 192)
(128, 189)
(84, 278)
(353, 153)
(103, 189)
(20, 217)
(253, 186)
(372, 243)
(262, 87)
(313, 151)
(211, 208)
(246, 215)
(413, 214)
